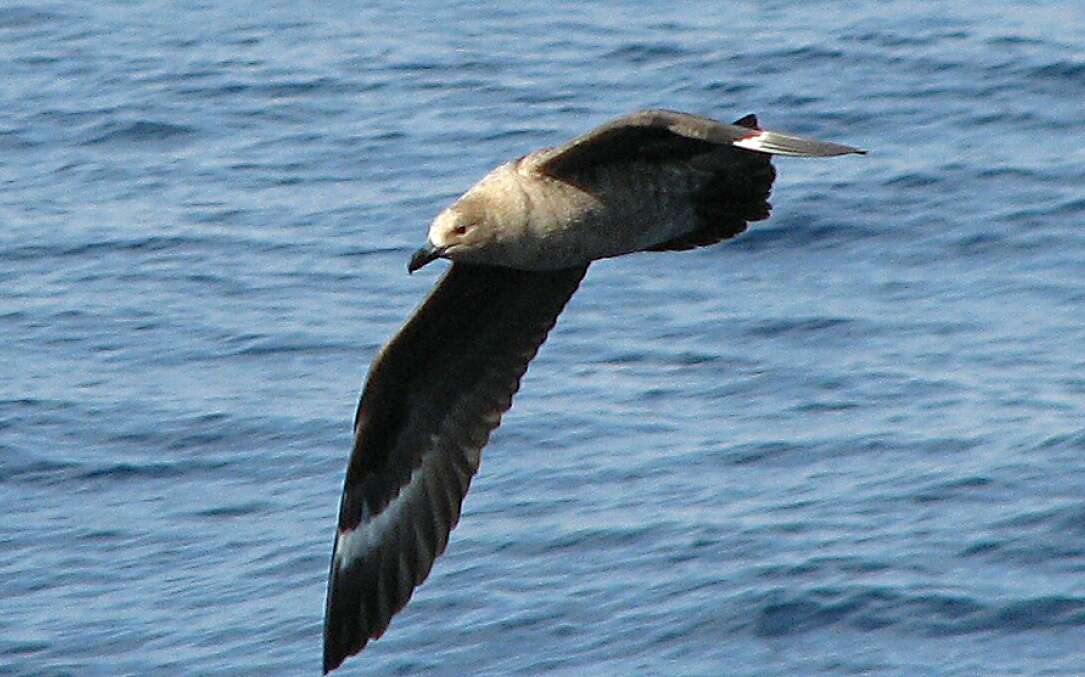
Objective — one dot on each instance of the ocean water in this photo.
(850, 441)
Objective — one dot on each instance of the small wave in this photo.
(140, 132)
(1072, 207)
(780, 614)
(954, 490)
(793, 233)
(1020, 616)
(801, 325)
(1063, 73)
(150, 243)
(24, 17)
(1074, 441)
(286, 90)
(31, 472)
(263, 346)
(123, 472)
(913, 180)
(236, 510)
(646, 53)
(901, 39)
(11, 140)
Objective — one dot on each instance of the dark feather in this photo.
(736, 194)
(433, 396)
(658, 135)
(646, 136)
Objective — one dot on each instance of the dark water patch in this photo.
(32, 471)
(957, 490)
(977, 244)
(512, 134)
(455, 68)
(286, 166)
(576, 540)
(15, 317)
(801, 232)
(264, 346)
(23, 16)
(40, 60)
(104, 536)
(689, 358)
(15, 140)
(1000, 119)
(354, 253)
(1067, 75)
(775, 61)
(1013, 41)
(933, 614)
(539, 98)
(914, 181)
(286, 90)
(982, 548)
(782, 615)
(794, 101)
(627, 358)
(36, 412)
(1037, 217)
(897, 39)
(1073, 441)
(936, 606)
(1029, 615)
(823, 326)
(1072, 207)
(1071, 519)
(137, 472)
(140, 132)
(1029, 519)
(17, 648)
(233, 511)
(645, 53)
(722, 87)
(145, 244)
(1013, 175)
(778, 572)
(1043, 552)
(223, 216)
(215, 91)
(761, 452)
(826, 407)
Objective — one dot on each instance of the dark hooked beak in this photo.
(424, 255)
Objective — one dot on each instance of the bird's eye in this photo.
(460, 230)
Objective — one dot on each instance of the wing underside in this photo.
(432, 398)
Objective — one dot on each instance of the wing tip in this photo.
(334, 655)
(776, 143)
(337, 651)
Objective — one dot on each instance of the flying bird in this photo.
(520, 241)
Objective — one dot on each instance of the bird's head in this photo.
(459, 233)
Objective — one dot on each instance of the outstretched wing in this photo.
(671, 136)
(434, 394)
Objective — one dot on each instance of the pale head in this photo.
(460, 233)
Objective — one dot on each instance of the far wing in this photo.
(668, 136)
(433, 396)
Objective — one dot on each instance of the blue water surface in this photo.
(850, 441)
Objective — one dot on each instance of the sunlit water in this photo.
(851, 440)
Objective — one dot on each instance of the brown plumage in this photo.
(521, 241)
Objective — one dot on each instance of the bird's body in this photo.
(549, 223)
(521, 240)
